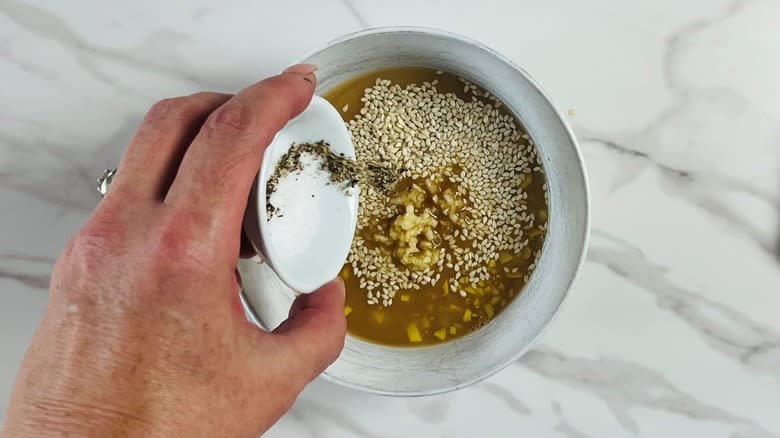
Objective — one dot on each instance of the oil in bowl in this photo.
(443, 249)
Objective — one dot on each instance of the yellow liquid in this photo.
(431, 309)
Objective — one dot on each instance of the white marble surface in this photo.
(672, 328)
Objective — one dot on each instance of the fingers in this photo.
(154, 152)
(219, 167)
(314, 333)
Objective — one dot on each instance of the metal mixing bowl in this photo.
(451, 365)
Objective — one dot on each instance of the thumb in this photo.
(315, 329)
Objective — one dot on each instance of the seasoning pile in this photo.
(341, 170)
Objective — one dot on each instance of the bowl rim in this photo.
(587, 207)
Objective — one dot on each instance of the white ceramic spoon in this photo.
(308, 240)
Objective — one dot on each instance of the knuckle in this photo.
(209, 96)
(102, 228)
(176, 238)
(232, 118)
(175, 108)
(160, 109)
(167, 117)
(99, 237)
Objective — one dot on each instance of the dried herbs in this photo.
(342, 171)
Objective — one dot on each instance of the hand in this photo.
(144, 333)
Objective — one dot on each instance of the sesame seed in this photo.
(470, 159)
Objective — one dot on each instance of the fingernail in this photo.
(301, 69)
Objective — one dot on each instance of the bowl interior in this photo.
(454, 364)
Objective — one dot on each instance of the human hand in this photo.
(144, 334)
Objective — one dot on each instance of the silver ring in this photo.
(104, 182)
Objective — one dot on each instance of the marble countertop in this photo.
(672, 328)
